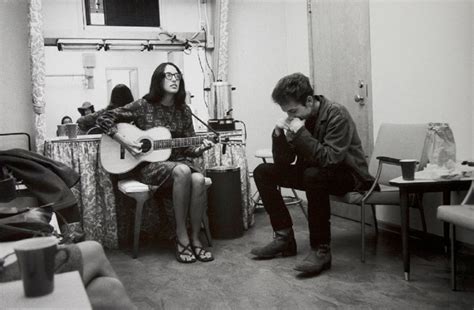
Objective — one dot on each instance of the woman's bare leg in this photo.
(108, 293)
(198, 206)
(181, 198)
(95, 262)
(104, 289)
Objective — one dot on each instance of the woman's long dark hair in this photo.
(156, 86)
(64, 118)
(120, 96)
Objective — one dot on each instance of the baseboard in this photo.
(430, 238)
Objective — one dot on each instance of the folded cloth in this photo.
(48, 180)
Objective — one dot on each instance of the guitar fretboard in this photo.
(178, 142)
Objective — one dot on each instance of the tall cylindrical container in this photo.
(220, 105)
(225, 203)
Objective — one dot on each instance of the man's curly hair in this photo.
(295, 87)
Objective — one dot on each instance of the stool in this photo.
(266, 154)
(460, 216)
(141, 193)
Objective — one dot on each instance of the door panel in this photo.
(340, 53)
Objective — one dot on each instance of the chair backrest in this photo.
(401, 141)
(15, 140)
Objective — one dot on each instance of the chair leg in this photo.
(140, 199)
(256, 202)
(362, 232)
(300, 203)
(453, 257)
(374, 215)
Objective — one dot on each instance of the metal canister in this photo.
(220, 105)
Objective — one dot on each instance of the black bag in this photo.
(7, 185)
(21, 222)
(28, 222)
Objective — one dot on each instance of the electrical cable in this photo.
(203, 79)
(245, 128)
(205, 37)
(199, 13)
(206, 17)
(205, 57)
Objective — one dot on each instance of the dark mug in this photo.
(61, 132)
(408, 169)
(36, 258)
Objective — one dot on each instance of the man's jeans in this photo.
(318, 183)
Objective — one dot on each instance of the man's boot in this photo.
(283, 243)
(318, 259)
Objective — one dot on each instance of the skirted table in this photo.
(95, 190)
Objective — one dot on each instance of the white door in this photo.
(340, 41)
(340, 50)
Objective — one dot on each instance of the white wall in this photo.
(64, 95)
(421, 59)
(16, 113)
(422, 72)
(268, 39)
(63, 18)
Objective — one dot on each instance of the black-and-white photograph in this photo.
(237, 154)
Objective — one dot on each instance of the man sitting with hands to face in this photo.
(330, 161)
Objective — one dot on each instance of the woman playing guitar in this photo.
(165, 106)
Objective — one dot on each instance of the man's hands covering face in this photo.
(295, 124)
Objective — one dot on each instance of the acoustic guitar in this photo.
(157, 145)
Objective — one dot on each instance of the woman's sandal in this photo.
(202, 254)
(186, 252)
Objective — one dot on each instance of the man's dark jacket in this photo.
(334, 141)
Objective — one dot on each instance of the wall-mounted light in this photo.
(164, 46)
(125, 45)
(79, 44)
(116, 45)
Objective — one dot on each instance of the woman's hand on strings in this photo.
(206, 145)
(134, 147)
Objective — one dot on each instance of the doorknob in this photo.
(362, 93)
(358, 99)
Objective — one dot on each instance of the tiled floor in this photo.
(235, 281)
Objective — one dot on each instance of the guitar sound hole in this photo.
(146, 145)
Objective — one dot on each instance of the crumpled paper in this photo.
(451, 170)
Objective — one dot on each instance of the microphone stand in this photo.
(204, 123)
(224, 143)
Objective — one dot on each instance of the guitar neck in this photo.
(177, 142)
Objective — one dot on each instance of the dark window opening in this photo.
(132, 13)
